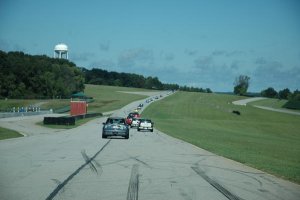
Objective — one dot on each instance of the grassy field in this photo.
(262, 139)
(108, 98)
(272, 103)
(7, 105)
(7, 133)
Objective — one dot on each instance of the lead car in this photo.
(115, 126)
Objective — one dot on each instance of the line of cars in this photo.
(134, 120)
(118, 126)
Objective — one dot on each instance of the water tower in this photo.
(61, 50)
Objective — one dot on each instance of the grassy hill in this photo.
(263, 139)
(106, 98)
(273, 103)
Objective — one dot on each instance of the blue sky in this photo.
(188, 42)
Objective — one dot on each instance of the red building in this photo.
(78, 108)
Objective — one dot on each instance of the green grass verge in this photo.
(273, 103)
(108, 98)
(262, 139)
(8, 104)
(7, 133)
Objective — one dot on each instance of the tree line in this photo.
(27, 76)
(241, 85)
(98, 76)
(292, 97)
(281, 94)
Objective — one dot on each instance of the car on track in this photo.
(128, 120)
(135, 122)
(115, 126)
(145, 124)
(131, 116)
(140, 106)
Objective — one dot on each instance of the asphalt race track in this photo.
(79, 164)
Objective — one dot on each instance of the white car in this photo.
(135, 122)
(145, 124)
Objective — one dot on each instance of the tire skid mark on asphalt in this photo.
(65, 182)
(92, 164)
(133, 187)
(58, 183)
(216, 185)
(244, 173)
(140, 161)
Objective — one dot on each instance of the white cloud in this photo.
(104, 46)
(275, 74)
(133, 57)
(190, 52)
(82, 56)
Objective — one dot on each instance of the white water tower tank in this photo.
(61, 51)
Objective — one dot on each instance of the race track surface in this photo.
(244, 102)
(79, 164)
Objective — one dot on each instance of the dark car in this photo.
(115, 126)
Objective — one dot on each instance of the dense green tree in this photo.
(269, 92)
(241, 85)
(208, 90)
(194, 89)
(168, 86)
(283, 94)
(26, 76)
(295, 96)
(293, 100)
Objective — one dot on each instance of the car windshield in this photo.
(145, 120)
(157, 99)
(115, 121)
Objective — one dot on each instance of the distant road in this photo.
(144, 93)
(278, 110)
(244, 102)
(79, 164)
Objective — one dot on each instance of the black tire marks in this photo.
(92, 164)
(65, 182)
(133, 187)
(140, 161)
(216, 185)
